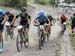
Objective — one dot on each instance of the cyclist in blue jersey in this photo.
(2, 22)
(41, 18)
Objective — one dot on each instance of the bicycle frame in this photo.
(21, 32)
(41, 35)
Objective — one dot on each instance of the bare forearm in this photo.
(13, 19)
(5, 19)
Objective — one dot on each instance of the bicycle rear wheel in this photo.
(11, 34)
(19, 43)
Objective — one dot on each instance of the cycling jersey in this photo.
(50, 18)
(24, 19)
(1, 19)
(2, 14)
(1, 25)
(38, 17)
(10, 17)
(63, 19)
(73, 22)
(42, 19)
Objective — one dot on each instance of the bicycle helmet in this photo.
(1, 12)
(23, 9)
(41, 12)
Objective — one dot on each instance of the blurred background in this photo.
(20, 3)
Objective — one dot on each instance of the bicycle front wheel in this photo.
(19, 43)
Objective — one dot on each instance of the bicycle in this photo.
(8, 31)
(42, 36)
(21, 38)
(63, 27)
(47, 32)
(42, 33)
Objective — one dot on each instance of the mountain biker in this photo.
(51, 19)
(63, 20)
(2, 22)
(25, 19)
(42, 19)
(11, 19)
(73, 22)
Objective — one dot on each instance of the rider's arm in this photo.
(47, 19)
(48, 22)
(18, 15)
(60, 19)
(14, 18)
(5, 19)
(34, 22)
(37, 17)
(29, 19)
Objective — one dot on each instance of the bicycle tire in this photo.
(41, 40)
(39, 44)
(17, 43)
(11, 35)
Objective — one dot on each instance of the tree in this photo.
(73, 1)
(68, 1)
(15, 3)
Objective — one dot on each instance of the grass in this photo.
(72, 39)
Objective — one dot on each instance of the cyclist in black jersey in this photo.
(25, 19)
(11, 20)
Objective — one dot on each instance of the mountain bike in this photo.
(22, 38)
(8, 31)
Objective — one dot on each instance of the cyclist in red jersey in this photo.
(63, 19)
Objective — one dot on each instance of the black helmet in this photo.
(23, 9)
(7, 13)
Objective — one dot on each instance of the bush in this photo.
(15, 3)
(42, 2)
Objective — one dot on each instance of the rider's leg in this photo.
(11, 28)
(73, 29)
(1, 30)
(1, 38)
(46, 33)
(27, 32)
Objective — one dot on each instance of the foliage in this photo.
(16, 3)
